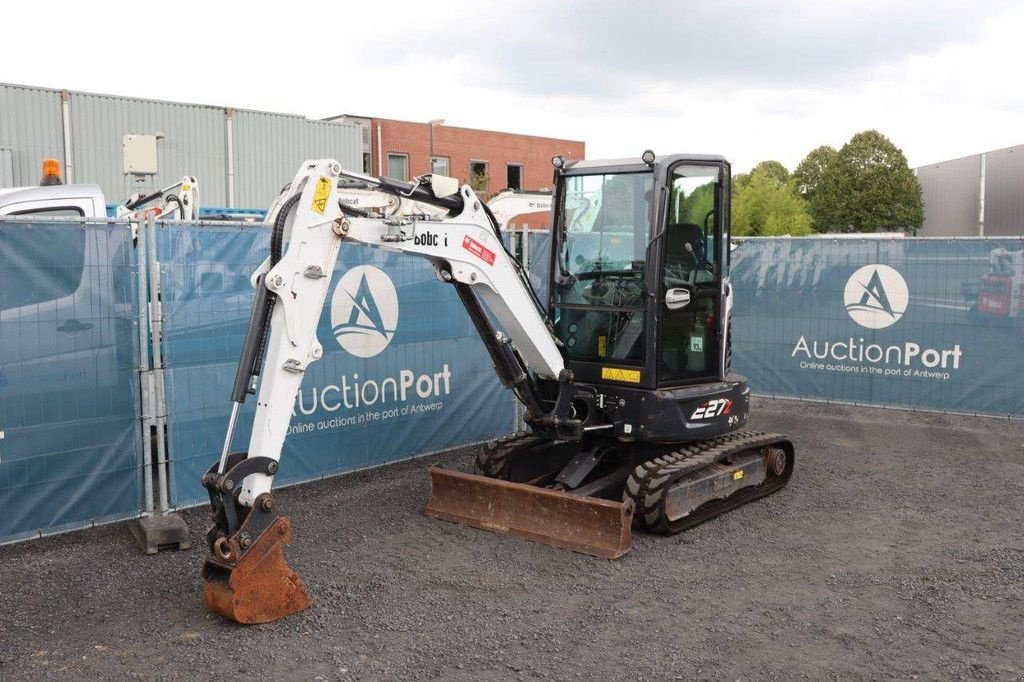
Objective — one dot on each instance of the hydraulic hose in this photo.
(276, 250)
(250, 363)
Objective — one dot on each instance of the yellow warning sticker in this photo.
(321, 195)
(737, 475)
(602, 346)
(631, 376)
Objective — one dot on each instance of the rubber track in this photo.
(492, 457)
(649, 482)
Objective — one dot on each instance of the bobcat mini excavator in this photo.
(635, 415)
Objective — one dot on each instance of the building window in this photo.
(398, 166)
(514, 176)
(439, 165)
(366, 163)
(478, 177)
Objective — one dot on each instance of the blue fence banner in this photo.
(920, 323)
(403, 373)
(69, 392)
(901, 322)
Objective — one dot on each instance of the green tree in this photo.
(764, 206)
(771, 169)
(807, 177)
(868, 187)
(810, 171)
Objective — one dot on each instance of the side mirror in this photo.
(677, 298)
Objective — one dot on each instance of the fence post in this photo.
(145, 390)
(159, 401)
(163, 530)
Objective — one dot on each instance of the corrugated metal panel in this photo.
(195, 144)
(6, 167)
(1004, 192)
(270, 147)
(30, 126)
(950, 193)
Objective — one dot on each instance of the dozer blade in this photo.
(589, 525)
(260, 587)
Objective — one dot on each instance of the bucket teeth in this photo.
(260, 587)
(588, 525)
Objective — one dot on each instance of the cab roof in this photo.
(633, 165)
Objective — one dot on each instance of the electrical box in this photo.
(140, 154)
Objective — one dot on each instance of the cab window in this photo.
(598, 302)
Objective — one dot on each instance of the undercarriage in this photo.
(586, 496)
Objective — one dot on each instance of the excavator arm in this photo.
(247, 579)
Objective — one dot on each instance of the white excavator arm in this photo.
(310, 225)
(463, 248)
(179, 201)
(507, 204)
(374, 202)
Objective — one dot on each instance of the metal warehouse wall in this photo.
(270, 147)
(1004, 192)
(259, 151)
(951, 192)
(31, 127)
(195, 144)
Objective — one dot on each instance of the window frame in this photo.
(403, 155)
(642, 308)
(706, 290)
(486, 173)
(521, 167)
(447, 165)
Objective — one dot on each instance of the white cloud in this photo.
(749, 80)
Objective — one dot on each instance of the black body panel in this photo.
(667, 415)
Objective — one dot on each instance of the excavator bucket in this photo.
(588, 525)
(260, 587)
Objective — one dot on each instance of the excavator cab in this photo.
(640, 293)
(640, 283)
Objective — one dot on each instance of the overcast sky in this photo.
(750, 80)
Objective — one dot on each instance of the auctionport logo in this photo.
(876, 296)
(364, 311)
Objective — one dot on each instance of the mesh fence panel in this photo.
(69, 400)
(432, 387)
(921, 323)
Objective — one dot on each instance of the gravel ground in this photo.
(897, 550)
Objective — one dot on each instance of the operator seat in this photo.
(681, 264)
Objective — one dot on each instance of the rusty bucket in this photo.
(259, 587)
(588, 525)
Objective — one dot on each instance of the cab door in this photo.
(693, 287)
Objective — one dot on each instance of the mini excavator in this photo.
(634, 414)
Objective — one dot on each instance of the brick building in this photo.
(490, 161)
